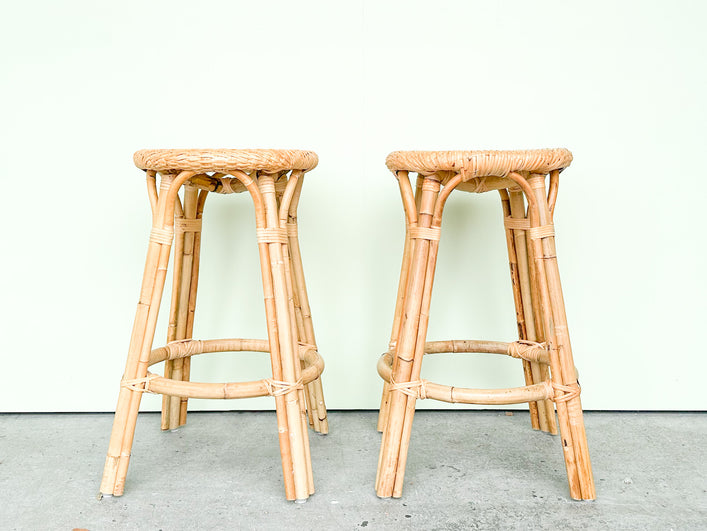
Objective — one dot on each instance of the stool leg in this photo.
(303, 315)
(184, 287)
(542, 412)
(283, 346)
(569, 407)
(399, 305)
(410, 348)
(134, 378)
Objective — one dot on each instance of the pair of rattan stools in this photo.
(273, 178)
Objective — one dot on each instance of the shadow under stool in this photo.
(544, 347)
(273, 180)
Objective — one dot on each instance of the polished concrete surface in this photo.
(466, 470)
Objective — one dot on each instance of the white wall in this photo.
(622, 84)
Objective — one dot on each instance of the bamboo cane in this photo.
(120, 444)
(272, 326)
(518, 301)
(186, 366)
(319, 413)
(566, 370)
(413, 321)
(540, 334)
(169, 365)
(402, 293)
(517, 205)
(285, 339)
(283, 205)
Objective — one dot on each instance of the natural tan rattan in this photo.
(528, 201)
(273, 179)
(208, 160)
(480, 163)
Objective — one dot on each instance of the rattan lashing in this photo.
(543, 344)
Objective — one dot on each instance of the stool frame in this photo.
(296, 365)
(544, 346)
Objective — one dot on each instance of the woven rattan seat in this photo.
(480, 163)
(266, 160)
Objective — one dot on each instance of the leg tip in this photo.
(301, 500)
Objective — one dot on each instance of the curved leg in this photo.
(542, 414)
(303, 316)
(399, 305)
(569, 407)
(184, 287)
(133, 381)
(411, 342)
(272, 240)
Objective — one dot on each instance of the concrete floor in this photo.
(466, 470)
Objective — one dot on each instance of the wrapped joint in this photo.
(187, 225)
(135, 383)
(564, 393)
(279, 388)
(416, 388)
(545, 231)
(516, 223)
(267, 235)
(183, 348)
(425, 233)
(529, 350)
(292, 230)
(164, 236)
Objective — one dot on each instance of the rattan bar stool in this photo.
(543, 345)
(273, 179)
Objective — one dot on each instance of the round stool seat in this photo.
(203, 160)
(480, 163)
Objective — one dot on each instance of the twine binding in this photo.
(527, 350)
(134, 384)
(416, 388)
(516, 223)
(163, 236)
(183, 348)
(570, 391)
(267, 235)
(544, 231)
(187, 225)
(425, 233)
(279, 388)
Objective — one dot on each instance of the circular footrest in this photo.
(153, 383)
(516, 395)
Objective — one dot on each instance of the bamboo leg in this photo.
(518, 299)
(182, 294)
(169, 365)
(399, 303)
(540, 334)
(410, 347)
(315, 393)
(298, 370)
(288, 349)
(317, 408)
(563, 370)
(186, 367)
(517, 206)
(120, 445)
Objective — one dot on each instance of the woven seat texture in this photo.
(223, 160)
(480, 163)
